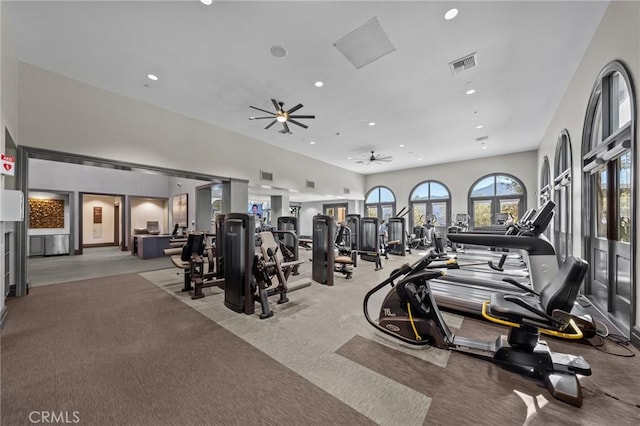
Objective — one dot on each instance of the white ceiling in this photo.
(215, 61)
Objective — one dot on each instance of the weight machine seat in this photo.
(343, 260)
(268, 242)
(393, 243)
(538, 310)
(179, 263)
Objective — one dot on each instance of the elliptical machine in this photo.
(409, 313)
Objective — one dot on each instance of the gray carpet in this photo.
(123, 351)
(470, 391)
(120, 351)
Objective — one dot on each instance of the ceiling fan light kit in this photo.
(283, 116)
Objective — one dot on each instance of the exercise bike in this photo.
(409, 313)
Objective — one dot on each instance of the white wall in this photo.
(99, 180)
(62, 114)
(459, 177)
(146, 210)
(98, 233)
(310, 209)
(617, 38)
(184, 186)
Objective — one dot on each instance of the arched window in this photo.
(545, 182)
(493, 194)
(430, 198)
(545, 188)
(380, 202)
(562, 196)
(609, 213)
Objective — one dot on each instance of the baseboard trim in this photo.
(100, 245)
(3, 316)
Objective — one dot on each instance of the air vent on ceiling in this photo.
(482, 138)
(365, 44)
(464, 63)
(309, 184)
(346, 191)
(266, 176)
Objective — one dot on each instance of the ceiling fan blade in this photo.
(302, 116)
(276, 105)
(384, 160)
(285, 127)
(271, 124)
(263, 110)
(297, 123)
(295, 108)
(260, 118)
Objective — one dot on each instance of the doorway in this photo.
(100, 220)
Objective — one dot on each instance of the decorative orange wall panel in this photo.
(46, 213)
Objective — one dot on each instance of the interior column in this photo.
(235, 196)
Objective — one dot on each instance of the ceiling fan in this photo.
(375, 158)
(282, 116)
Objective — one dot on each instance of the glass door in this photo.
(621, 244)
(482, 212)
(511, 207)
(599, 242)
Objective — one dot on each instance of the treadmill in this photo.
(466, 291)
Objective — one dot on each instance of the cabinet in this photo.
(48, 245)
(36, 245)
(12, 206)
(56, 244)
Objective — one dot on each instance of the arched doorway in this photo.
(608, 195)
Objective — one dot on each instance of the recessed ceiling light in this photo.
(484, 147)
(371, 123)
(471, 91)
(451, 13)
(319, 84)
(419, 159)
(348, 158)
(479, 126)
(206, 2)
(152, 77)
(312, 143)
(401, 145)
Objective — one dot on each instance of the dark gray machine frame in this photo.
(397, 233)
(322, 265)
(369, 241)
(239, 247)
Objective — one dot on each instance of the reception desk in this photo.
(147, 246)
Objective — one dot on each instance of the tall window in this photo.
(337, 211)
(609, 212)
(380, 202)
(562, 239)
(493, 194)
(545, 187)
(545, 179)
(430, 199)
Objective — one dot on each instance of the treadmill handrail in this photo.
(533, 245)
